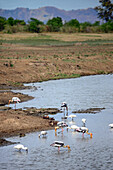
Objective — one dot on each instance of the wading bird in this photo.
(14, 100)
(80, 130)
(59, 144)
(84, 122)
(72, 116)
(42, 133)
(64, 105)
(74, 127)
(83, 130)
(21, 147)
(111, 125)
(60, 125)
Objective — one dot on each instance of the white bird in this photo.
(64, 105)
(14, 100)
(111, 125)
(84, 122)
(74, 127)
(62, 124)
(21, 147)
(83, 130)
(42, 133)
(60, 144)
(72, 116)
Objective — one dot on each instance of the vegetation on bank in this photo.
(11, 25)
(56, 24)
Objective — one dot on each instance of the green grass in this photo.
(38, 42)
(64, 76)
(45, 40)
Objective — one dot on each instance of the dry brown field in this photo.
(26, 57)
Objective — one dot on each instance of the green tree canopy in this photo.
(73, 23)
(20, 22)
(10, 21)
(55, 24)
(34, 25)
(2, 23)
(105, 10)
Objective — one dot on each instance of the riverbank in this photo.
(74, 55)
(19, 122)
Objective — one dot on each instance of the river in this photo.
(86, 153)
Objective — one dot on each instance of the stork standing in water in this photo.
(80, 130)
(20, 147)
(84, 130)
(60, 144)
(84, 122)
(43, 133)
(14, 100)
(60, 125)
(64, 105)
(72, 116)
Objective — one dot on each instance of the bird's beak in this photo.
(91, 135)
(67, 146)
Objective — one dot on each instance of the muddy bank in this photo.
(16, 122)
(4, 142)
(90, 110)
(5, 96)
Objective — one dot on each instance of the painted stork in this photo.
(14, 100)
(60, 144)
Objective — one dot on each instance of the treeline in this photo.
(11, 25)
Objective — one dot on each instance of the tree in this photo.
(105, 10)
(2, 23)
(73, 23)
(19, 22)
(10, 21)
(34, 25)
(55, 24)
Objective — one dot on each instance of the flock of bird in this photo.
(61, 125)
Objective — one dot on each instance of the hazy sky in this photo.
(61, 4)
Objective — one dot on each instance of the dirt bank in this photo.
(17, 122)
(25, 63)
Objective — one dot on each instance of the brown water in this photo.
(86, 153)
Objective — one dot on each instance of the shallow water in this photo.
(86, 153)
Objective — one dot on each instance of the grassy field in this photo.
(37, 57)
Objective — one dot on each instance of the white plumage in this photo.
(43, 133)
(111, 125)
(84, 122)
(72, 116)
(21, 147)
(16, 99)
(62, 124)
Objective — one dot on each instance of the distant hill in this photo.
(46, 13)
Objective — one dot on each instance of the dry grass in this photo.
(21, 61)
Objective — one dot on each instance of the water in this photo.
(86, 153)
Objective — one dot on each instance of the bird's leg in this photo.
(62, 129)
(83, 135)
(15, 105)
(58, 149)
